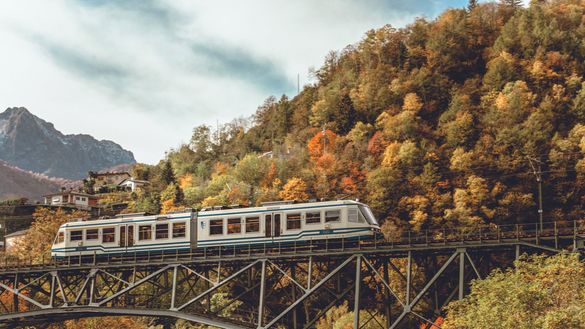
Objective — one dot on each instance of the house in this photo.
(11, 239)
(131, 184)
(71, 198)
(108, 178)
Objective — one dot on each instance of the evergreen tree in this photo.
(471, 5)
(167, 173)
(512, 3)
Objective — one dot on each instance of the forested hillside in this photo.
(434, 124)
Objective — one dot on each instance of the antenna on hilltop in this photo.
(535, 164)
(298, 83)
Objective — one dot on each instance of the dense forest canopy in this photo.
(439, 123)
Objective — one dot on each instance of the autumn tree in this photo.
(36, 244)
(539, 292)
(294, 189)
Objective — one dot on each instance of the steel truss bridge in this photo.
(400, 283)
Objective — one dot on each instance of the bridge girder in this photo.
(390, 285)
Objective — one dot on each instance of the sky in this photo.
(144, 73)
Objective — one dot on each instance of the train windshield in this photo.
(59, 238)
(369, 215)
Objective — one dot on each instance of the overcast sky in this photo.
(143, 73)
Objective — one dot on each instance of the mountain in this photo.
(17, 183)
(31, 143)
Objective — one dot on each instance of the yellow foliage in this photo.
(103, 322)
(412, 102)
(391, 154)
(294, 189)
(37, 242)
(461, 160)
(211, 201)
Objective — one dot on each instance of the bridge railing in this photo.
(445, 236)
(492, 232)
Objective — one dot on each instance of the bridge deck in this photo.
(553, 236)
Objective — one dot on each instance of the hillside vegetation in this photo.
(434, 124)
(539, 292)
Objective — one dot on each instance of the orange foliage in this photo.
(323, 142)
(270, 175)
(354, 181)
(168, 206)
(326, 163)
(185, 181)
(377, 144)
(435, 325)
(220, 168)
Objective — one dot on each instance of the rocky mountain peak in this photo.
(34, 144)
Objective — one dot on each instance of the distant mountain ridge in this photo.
(17, 183)
(31, 143)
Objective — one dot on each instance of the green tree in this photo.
(167, 173)
(539, 292)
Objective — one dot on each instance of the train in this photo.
(272, 223)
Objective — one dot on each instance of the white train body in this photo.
(280, 224)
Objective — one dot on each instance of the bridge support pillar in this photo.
(358, 283)
(262, 287)
(461, 273)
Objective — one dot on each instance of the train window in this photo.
(234, 225)
(352, 215)
(144, 232)
(179, 230)
(332, 216)
(293, 221)
(91, 234)
(252, 224)
(76, 235)
(216, 227)
(361, 217)
(162, 231)
(108, 234)
(60, 237)
(313, 218)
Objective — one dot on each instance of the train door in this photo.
(126, 236)
(193, 230)
(273, 225)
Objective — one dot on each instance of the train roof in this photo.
(278, 205)
(229, 210)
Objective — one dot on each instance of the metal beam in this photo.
(309, 292)
(261, 299)
(219, 284)
(88, 311)
(358, 283)
(407, 309)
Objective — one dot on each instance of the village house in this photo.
(108, 178)
(10, 240)
(131, 184)
(71, 198)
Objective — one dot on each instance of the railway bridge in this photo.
(402, 282)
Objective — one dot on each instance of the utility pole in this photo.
(536, 165)
(298, 83)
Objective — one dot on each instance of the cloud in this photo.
(85, 65)
(148, 11)
(237, 63)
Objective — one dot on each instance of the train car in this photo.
(127, 233)
(271, 224)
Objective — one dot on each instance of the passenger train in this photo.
(274, 223)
